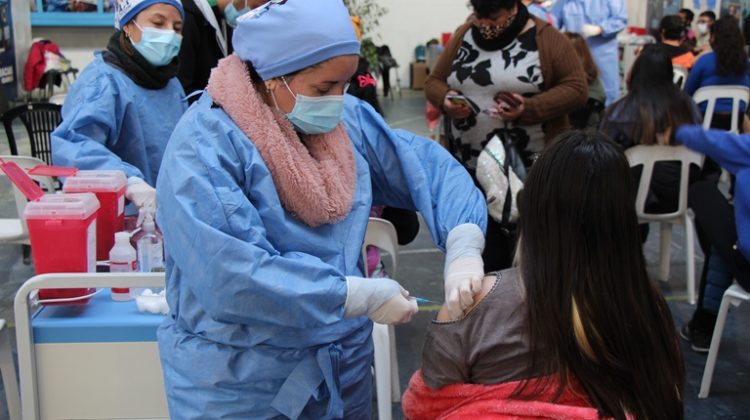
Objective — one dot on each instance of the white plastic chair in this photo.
(382, 234)
(58, 98)
(732, 296)
(14, 230)
(680, 75)
(8, 369)
(711, 94)
(647, 156)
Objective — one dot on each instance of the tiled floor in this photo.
(420, 271)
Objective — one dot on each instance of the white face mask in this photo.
(702, 28)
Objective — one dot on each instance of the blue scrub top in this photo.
(256, 296)
(705, 73)
(612, 17)
(111, 123)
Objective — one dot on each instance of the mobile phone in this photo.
(462, 100)
(457, 99)
(508, 98)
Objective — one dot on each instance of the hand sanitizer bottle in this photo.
(150, 248)
(122, 259)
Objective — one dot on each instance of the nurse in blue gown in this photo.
(264, 196)
(122, 109)
(599, 21)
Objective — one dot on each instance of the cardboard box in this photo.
(418, 75)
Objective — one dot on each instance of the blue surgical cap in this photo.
(292, 35)
(126, 10)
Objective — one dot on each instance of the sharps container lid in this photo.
(78, 206)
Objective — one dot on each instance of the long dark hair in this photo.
(729, 46)
(594, 317)
(657, 103)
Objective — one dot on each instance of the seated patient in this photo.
(578, 311)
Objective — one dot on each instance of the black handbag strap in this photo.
(508, 204)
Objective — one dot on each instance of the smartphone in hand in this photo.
(508, 98)
(462, 100)
(457, 99)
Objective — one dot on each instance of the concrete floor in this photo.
(420, 268)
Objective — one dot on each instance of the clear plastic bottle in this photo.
(122, 259)
(144, 213)
(150, 248)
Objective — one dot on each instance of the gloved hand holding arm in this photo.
(382, 300)
(415, 173)
(464, 268)
(140, 193)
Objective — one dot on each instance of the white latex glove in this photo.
(590, 30)
(140, 193)
(382, 300)
(464, 268)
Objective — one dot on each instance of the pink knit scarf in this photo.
(314, 177)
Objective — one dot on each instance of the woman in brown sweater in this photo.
(512, 71)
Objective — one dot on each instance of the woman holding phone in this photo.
(505, 70)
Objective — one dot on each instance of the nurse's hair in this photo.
(594, 317)
(125, 44)
(254, 76)
(256, 79)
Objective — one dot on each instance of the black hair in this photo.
(671, 27)
(485, 8)
(709, 14)
(254, 76)
(125, 44)
(688, 14)
(729, 47)
(660, 105)
(594, 317)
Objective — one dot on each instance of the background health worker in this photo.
(599, 21)
(208, 26)
(120, 112)
(264, 197)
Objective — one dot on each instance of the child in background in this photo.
(589, 115)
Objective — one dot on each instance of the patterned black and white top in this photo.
(480, 75)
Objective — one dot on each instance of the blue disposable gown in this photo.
(542, 13)
(110, 122)
(612, 17)
(256, 328)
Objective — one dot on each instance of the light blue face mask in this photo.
(315, 115)
(158, 46)
(231, 14)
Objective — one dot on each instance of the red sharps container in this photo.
(62, 229)
(109, 187)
